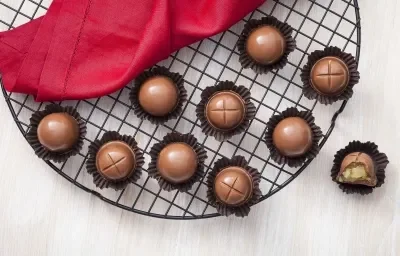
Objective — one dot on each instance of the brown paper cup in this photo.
(43, 152)
(380, 162)
(274, 152)
(222, 135)
(240, 210)
(354, 76)
(174, 138)
(158, 71)
(101, 181)
(248, 62)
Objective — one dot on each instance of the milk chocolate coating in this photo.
(177, 162)
(266, 45)
(225, 110)
(233, 186)
(115, 160)
(292, 137)
(58, 132)
(359, 159)
(158, 96)
(329, 76)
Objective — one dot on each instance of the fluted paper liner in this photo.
(247, 61)
(101, 181)
(243, 209)
(316, 136)
(173, 138)
(250, 110)
(380, 162)
(43, 152)
(139, 81)
(331, 51)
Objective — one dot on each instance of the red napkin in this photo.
(89, 48)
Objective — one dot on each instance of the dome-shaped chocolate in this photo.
(177, 162)
(292, 137)
(266, 45)
(233, 186)
(329, 76)
(115, 160)
(225, 110)
(158, 96)
(58, 132)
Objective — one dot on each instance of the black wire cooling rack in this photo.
(316, 23)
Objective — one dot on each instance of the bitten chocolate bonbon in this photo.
(114, 161)
(359, 168)
(177, 162)
(56, 133)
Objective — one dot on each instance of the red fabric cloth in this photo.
(89, 48)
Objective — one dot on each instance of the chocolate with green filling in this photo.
(357, 168)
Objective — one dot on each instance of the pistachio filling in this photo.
(354, 172)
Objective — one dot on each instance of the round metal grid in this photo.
(316, 23)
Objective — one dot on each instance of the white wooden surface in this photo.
(43, 214)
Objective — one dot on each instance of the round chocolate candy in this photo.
(177, 162)
(266, 45)
(292, 137)
(115, 160)
(329, 76)
(225, 110)
(357, 168)
(58, 132)
(158, 95)
(233, 186)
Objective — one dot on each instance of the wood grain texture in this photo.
(43, 214)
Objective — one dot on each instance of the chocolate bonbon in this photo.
(233, 186)
(56, 133)
(329, 75)
(292, 137)
(114, 161)
(359, 167)
(265, 44)
(177, 162)
(158, 95)
(225, 110)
